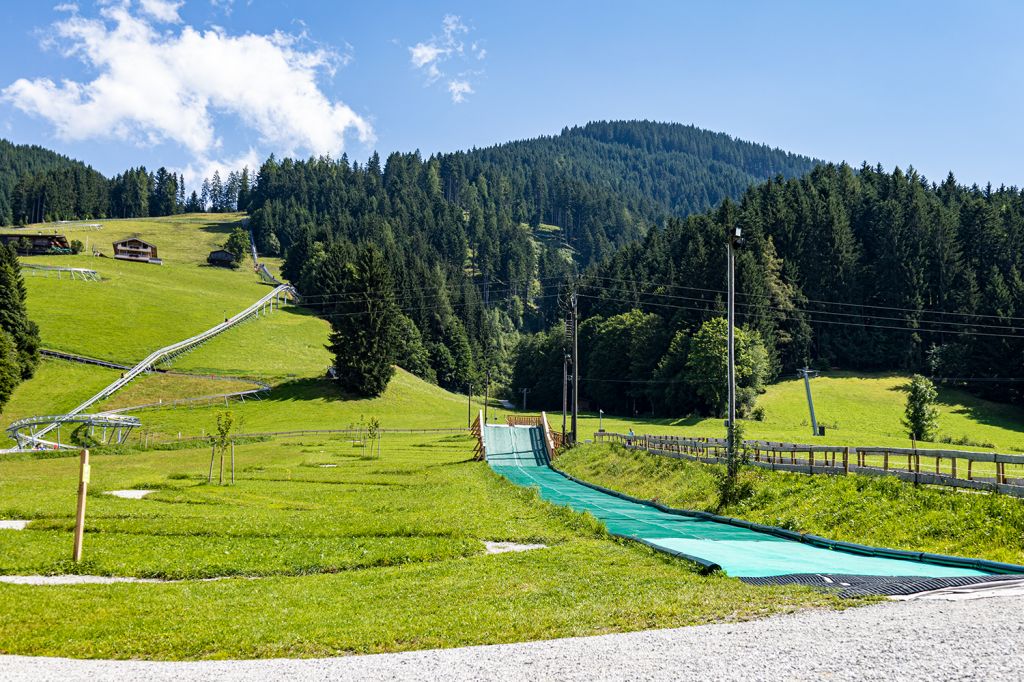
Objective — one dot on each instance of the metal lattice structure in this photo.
(116, 429)
(84, 274)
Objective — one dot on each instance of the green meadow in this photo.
(322, 548)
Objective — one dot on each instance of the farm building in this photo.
(133, 248)
(37, 244)
(220, 257)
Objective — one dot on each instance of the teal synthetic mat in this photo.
(517, 453)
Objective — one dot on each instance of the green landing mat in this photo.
(517, 453)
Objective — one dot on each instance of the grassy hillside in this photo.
(369, 555)
(139, 307)
(287, 344)
(856, 410)
(408, 402)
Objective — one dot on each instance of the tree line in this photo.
(37, 185)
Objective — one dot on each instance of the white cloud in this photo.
(169, 85)
(162, 10)
(429, 57)
(225, 6)
(459, 89)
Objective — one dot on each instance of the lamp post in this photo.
(735, 242)
(600, 421)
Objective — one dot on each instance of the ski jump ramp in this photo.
(756, 554)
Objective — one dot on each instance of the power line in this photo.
(409, 292)
(971, 325)
(831, 322)
(924, 311)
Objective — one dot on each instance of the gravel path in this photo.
(926, 639)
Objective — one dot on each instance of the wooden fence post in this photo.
(846, 459)
(83, 487)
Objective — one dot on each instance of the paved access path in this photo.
(916, 640)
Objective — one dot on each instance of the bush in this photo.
(76, 246)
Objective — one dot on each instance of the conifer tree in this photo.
(364, 325)
(14, 315)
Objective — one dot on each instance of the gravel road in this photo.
(975, 639)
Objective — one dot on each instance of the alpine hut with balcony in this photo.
(134, 249)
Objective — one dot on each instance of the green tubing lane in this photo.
(517, 453)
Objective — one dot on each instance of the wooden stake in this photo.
(232, 462)
(213, 455)
(83, 486)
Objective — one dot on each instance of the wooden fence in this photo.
(983, 471)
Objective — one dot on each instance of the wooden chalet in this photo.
(133, 248)
(224, 259)
(37, 244)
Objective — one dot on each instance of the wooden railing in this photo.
(550, 443)
(987, 471)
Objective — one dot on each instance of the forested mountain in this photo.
(480, 242)
(856, 269)
(24, 162)
(654, 169)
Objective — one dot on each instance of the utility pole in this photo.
(525, 391)
(487, 394)
(575, 365)
(565, 391)
(735, 242)
(807, 373)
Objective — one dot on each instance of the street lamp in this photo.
(600, 421)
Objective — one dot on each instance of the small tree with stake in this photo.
(922, 417)
(222, 441)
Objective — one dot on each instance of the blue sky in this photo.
(203, 84)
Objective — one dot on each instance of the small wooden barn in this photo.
(224, 259)
(133, 248)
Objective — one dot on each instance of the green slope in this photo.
(139, 307)
(855, 410)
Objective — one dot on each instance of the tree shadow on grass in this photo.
(223, 228)
(300, 390)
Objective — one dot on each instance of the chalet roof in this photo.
(132, 239)
(221, 253)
